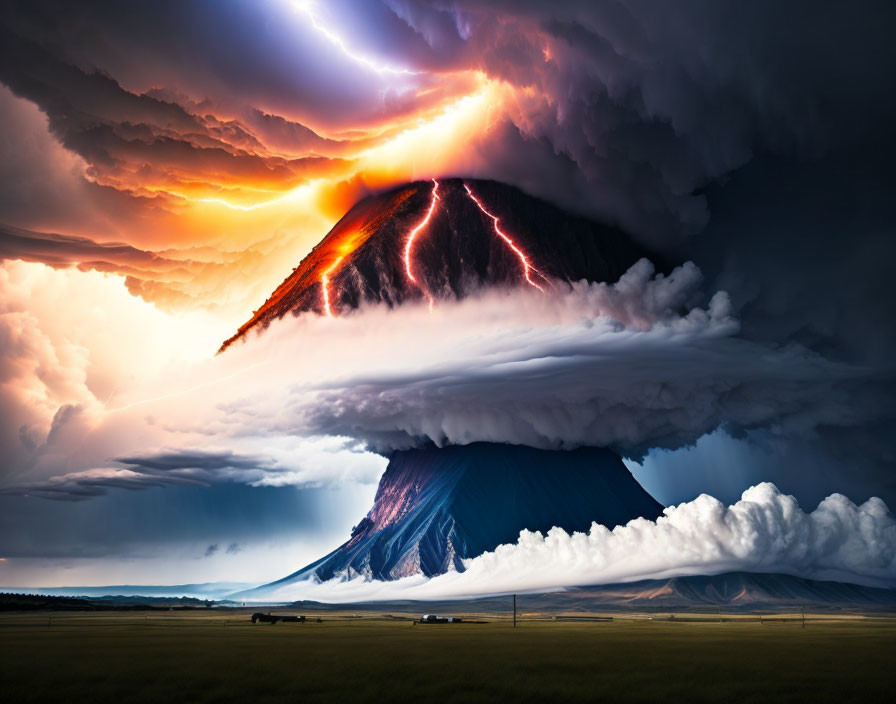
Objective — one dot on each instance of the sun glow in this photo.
(435, 142)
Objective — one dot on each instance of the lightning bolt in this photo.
(409, 243)
(527, 267)
(325, 285)
(307, 7)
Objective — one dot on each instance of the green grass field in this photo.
(220, 656)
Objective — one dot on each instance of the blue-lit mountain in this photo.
(436, 506)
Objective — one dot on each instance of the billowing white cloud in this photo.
(631, 365)
(766, 531)
(88, 376)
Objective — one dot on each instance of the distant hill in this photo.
(730, 591)
(205, 590)
(43, 602)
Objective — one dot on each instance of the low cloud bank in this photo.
(766, 531)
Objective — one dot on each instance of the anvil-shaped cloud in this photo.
(630, 365)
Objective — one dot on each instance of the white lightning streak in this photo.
(307, 7)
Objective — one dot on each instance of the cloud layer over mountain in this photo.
(630, 365)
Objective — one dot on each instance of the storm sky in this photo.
(165, 166)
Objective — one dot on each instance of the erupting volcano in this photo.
(442, 239)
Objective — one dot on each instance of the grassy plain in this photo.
(219, 656)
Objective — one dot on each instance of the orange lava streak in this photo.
(325, 285)
(420, 226)
(527, 267)
(413, 234)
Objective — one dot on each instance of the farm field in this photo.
(220, 656)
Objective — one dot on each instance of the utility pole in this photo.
(804, 617)
(514, 610)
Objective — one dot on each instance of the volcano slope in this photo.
(430, 240)
(436, 506)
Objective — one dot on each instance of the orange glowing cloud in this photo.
(163, 172)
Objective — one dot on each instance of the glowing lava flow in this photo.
(325, 285)
(410, 241)
(527, 267)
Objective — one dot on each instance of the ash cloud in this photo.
(636, 107)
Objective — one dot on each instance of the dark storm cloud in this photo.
(137, 522)
(764, 127)
(310, 463)
(805, 251)
(202, 461)
(190, 468)
(653, 102)
(90, 483)
(66, 250)
(239, 53)
(74, 97)
(117, 131)
(634, 108)
(141, 155)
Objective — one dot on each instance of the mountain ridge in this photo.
(735, 591)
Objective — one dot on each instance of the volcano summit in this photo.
(431, 240)
(444, 239)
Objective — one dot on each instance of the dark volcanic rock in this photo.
(435, 506)
(457, 252)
